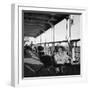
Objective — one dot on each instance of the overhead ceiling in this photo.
(37, 22)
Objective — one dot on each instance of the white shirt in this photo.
(61, 58)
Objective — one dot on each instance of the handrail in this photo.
(74, 40)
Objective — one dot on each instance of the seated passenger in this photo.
(46, 60)
(40, 51)
(60, 58)
(28, 53)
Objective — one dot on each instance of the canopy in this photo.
(37, 22)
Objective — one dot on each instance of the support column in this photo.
(69, 23)
(40, 39)
(53, 33)
(53, 29)
(68, 29)
(53, 36)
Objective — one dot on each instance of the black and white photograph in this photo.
(51, 43)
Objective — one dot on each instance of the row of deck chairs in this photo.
(42, 65)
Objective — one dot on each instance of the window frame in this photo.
(17, 41)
